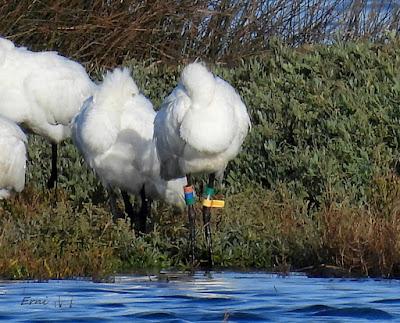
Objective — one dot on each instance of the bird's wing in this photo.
(59, 93)
(94, 131)
(12, 156)
(10, 129)
(136, 134)
(138, 115)
(169, 143)
(77, 125)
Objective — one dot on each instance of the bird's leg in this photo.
(208, 194)
(53, 175)
(191, 215)
(128, 206)
(148, 213)
(112, 200)
(145, 209)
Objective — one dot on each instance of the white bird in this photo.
(200, 127)
(114, 132)
(42, 91)
(12, 158)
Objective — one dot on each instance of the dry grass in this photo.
(366, 240)
(42, 238)
(105, 33)
(258, 229)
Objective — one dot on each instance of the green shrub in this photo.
(321, 158)
(324, 118)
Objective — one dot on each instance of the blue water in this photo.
(229, 297)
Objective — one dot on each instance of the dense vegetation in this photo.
(105, 32)
(316, 182)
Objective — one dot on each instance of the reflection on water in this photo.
(230, 297)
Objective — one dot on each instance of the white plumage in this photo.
(41, 90)
(114, 132)
(201, 125)
(12, 158)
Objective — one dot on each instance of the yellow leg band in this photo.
(213, 203)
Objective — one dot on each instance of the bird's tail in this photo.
(199, 82)
(117, 87)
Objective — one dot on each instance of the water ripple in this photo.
(388, 301)
(356, 312)
(156, 315)
(313, 309)
(111, 305)
(245, 316)
(233, 297)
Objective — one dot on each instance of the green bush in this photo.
(324, 119)
(323, 148)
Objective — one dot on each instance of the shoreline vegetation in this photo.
(315, 186)
(102, 33)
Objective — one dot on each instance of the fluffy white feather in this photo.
(42, 90)
(12, 158)
(114, 132)
(201, 125)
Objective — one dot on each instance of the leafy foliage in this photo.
(316, 181)
(324, 118)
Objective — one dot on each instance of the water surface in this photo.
(229, 296)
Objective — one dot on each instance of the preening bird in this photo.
(200, 127)
(42, 91)
(114, 132)
(12, 158)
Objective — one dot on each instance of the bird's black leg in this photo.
(53, 176)
(207, 218)
(112, 200)
(192, 220)
(145, 209)
(128, 206)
